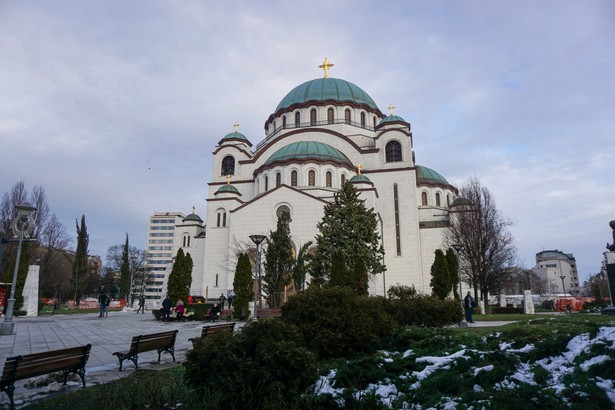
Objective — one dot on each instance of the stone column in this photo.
(528, 303)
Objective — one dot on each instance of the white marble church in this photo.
(323, 133)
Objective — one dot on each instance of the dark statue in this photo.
(611, 247)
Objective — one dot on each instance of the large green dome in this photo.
(324, 89)
(428, 176)
(303, 150)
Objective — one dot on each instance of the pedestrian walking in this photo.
(102, 304)
(468, 303)
(166, 308)
(141, 304)
(230, 295)
(222, 299)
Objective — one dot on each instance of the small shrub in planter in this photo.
(200, 310)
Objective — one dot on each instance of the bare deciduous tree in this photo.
(489, 248)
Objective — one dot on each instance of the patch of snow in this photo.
(487, 368)
(607, 385)
(325, 386)
(594, 360)
(478, 389)
(505, 345)
(407, 353)
(524, 374)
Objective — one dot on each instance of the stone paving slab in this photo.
(106, 335)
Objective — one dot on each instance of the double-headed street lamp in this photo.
(257, 239)
(22, 227)
(563, 284)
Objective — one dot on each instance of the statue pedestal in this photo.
(30, 291)
(528, 303)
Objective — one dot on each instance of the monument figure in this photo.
(611, 247)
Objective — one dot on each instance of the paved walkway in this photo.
(106, 335)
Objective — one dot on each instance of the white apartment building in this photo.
(552, 265)
(160, 237)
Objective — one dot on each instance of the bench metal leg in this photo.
(10, 389)
(170, 350)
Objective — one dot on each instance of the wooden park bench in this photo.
(161, 342)
(269, 313)
(70, 360)
(212, 329)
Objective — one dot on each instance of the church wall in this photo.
(431, 239)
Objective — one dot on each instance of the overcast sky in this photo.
(115, 107)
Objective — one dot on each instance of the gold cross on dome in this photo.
(391, 108)
(359, 166)
(325, 66)
(236, 125)
(228, 179)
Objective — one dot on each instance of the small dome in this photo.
(193, 217)
(326, 89)
(357, 179)
(428, 176)
(303, 150)
(235, 136)
(227, 188)
(392, 118)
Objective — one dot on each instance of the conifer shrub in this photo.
(264, 365)
(423, 310)
(336, 322)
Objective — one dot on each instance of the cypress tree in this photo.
(243, 285)
(339, 272)
(80, 265)
(453, 271)
(125, 270)
(278, 261)
(440, 279)
(180, 278)
(360, 277)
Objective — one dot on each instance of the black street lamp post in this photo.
(22, 226)
(458, 248)
(257, 239)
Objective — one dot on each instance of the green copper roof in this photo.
(360, 178)
(309, 150)
(323, 89)
(234, 135)
(392, 118)
(193, 217)
(429, 176)
(227, 188)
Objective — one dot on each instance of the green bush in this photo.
(548, 304)
(199, 310)
(336, 322)
(499, 310)
(423, 310)
(595, 306)
(263, 366)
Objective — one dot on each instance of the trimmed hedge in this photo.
(498, 310)
(423, 310)
(336, 322)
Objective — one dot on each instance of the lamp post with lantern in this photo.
(257, 239)
(22, 227)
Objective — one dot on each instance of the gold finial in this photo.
(193, 208)
(359, 166)
(391, 108)
(325, 66)
(236, 125)
(228, 179)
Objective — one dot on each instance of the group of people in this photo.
(103, 303)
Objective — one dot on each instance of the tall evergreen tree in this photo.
(278, 261)
(300, 268)
(360, 277)
(351, 228)
(440, 276)
(243, 286)
(125, 270)
(453, 271)
(180, 278)
(79, 278)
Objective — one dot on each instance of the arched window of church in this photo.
(393, 151)
(362, 120)
(283, 209)
(397, 230)
(228, 166)
(313, 117)
(329, 179)
(312, 178)
(274, 126)
(448, 201)
(297, 119)
(266, 183)
(186, 240)
(224, 219)
(330, 116)
(293, 178)
(343, 179)
(347, 116)
(437, 199)
(278, 179)
(424, 199)
(284, 121)
(375, 122)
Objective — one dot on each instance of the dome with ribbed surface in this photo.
(193, 217)
(360, 179)
(426, 175)
(235, 136)
(392, 118)
(227, 188)
(325, 89)
(303, 150)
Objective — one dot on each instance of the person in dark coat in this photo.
(214, 313)
(166, 309)
(468, 303)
